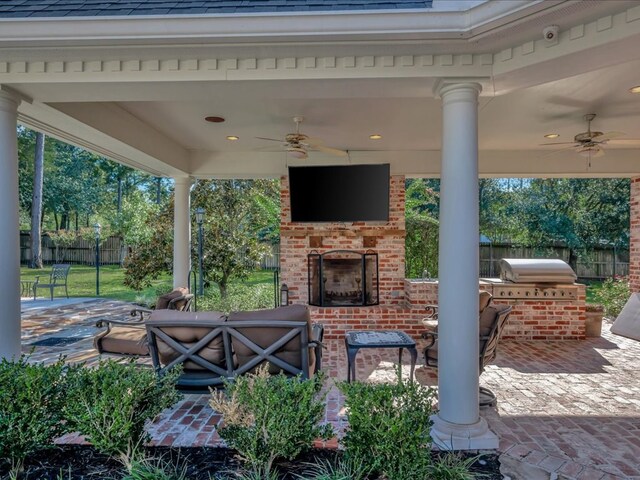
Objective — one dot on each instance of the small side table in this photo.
(355, 340)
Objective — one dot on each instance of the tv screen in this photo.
(351, 193)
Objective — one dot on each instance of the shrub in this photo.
(341, 469)
(239, 297)
(270, 417)
(112, 403)
(155, 469)
(389, 428)
(613, 295)
(32, 398)
(451, 466)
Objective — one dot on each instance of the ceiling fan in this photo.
(298, 144)
(588, 144)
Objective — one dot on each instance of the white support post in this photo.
(10, 234)
(458, 425)
(181, 232)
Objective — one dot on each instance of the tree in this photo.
(422, 228)
(234, 216)
(36, 203)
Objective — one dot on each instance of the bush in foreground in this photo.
(32, 398)
(113, 402)
(389, 428)
(268, 417)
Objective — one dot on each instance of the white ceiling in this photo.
(345, 112)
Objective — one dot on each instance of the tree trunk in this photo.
(77, 226)
(573, 260)
(119, 200)
(55, 217)
(36, 203)
(222, 285)
(158, 189)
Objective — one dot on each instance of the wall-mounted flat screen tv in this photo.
(350, 193)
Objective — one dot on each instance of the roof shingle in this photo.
(76, 8)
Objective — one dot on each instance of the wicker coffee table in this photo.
(356, 340)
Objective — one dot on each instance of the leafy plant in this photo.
(451, 466)
(155, 469)
(239, 297)
(32, 399)
(613, 295)
(113, 402)
(270, 417)
(389, 428)
(341, 469)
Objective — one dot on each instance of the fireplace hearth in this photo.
(343, 278)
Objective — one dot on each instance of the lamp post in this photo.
(284, 295)
(199, 221)
(97, 229)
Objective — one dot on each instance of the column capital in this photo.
(445, 86)
(9, 100)
(184, 180)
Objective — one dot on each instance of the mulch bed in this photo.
(80, 462)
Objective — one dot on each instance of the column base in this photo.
(454, 436)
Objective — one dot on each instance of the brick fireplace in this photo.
(401, 301)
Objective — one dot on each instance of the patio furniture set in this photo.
(212, 347)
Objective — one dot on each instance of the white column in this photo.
(181, 232)
(458, 424)
(10, 233)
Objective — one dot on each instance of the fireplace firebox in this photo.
(343, 278)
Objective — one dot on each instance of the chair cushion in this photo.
(125, 341)
(189, 336)
(163, 300)
(487, 320)
(264, 337)
(484, 300)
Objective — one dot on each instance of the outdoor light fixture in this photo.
(375, 136)
(552, 135)
(635, 89)
(233, 138)
(284, 295)
(97, 228)
(214, 119)
(199, 221)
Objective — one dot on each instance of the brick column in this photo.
(634, 240)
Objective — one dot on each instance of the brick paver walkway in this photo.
(570, 408)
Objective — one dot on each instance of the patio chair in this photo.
(57, 279)
(492, 321)
(129, 337)
(431, 320)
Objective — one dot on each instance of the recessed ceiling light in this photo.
(233, 138)
(635, 89)
(552, 135)
(375, 136)
(214, 119)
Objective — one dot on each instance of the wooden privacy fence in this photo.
(82, 252)
(594, 264)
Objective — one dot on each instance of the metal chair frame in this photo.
(58, 272)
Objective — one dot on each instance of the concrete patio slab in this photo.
(567, 409)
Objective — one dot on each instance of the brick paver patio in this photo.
(570, 408)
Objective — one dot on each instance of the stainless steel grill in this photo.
(540, 279)
(534, 270)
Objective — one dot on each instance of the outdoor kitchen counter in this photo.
(541, 311)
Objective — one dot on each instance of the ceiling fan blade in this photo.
(270, 139)
(625, 141)
(332, 151)
(557, 143)
(553, 152)
(608, 136)
(269, 149)
(598, 153)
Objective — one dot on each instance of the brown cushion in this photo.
(124, 341)
(163, 300)
(484, 300)
(264, 337)
(487, 320)
(189, 336)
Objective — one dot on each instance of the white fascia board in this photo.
(492, 163)
(398, 25)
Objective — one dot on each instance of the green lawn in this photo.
(82, 282)
(592, 288)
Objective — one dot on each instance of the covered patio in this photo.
(569, 407)
(455, 89)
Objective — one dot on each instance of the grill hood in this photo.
(535, 270)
